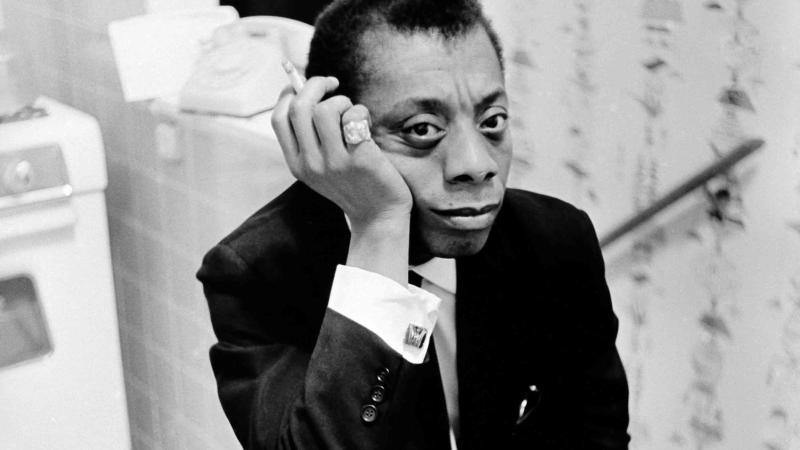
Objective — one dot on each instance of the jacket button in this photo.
(383, 375)
(369, 413)
(377, 394)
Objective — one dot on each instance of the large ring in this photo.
(356, 132)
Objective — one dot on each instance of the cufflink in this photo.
(415, 335)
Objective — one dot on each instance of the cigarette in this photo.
(294, 78)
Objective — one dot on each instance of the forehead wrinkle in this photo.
(469, 98)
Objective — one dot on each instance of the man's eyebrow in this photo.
(424, 103)
(489, 99)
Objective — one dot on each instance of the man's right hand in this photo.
(359, 178)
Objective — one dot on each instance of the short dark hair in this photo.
(336, 48)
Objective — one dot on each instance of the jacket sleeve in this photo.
(602, 390)
(282, 390)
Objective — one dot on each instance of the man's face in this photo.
(440, 113)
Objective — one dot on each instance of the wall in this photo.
(614, 104)
(163, 216)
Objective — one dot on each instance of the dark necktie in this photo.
(414, 278)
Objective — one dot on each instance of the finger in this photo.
(356, 126)
(287, 90)
(301, 113)
(284, 132)
(328, 123)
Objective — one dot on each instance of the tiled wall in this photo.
(163, 216)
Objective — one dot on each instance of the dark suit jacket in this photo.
(532, 308)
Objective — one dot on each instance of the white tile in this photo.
(45, 40)
(48, 7)
(119, 193)
(97, 15)
(84, 99)
(141, 411)
(184, 287)
(221, 429)
(140, 127)
(156, 271)
(179, 171)
(137, 360)
(154, 6)
(93, 60)
(158, 324)
(129, 241)
(147, 203)
(196, 401)
(212, 230)
(165, 382)
(141, 442)
(193, 344)
(131, 297)
(197, 439)
(170, 430)
(52, 84)
(177, 209)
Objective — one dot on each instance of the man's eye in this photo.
(494, 124)
(423, 133)
(423, 130)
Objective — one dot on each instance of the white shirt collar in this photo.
(439, 271)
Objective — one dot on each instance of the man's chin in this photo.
(454, 246)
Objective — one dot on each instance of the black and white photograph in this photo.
(400, 225)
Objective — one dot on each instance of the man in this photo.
(324, 343)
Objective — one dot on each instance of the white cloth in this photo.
(386, 308)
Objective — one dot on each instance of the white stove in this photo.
(61, 383)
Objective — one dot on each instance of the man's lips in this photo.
(467, 218)
(467, 211)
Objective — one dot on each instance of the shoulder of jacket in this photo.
(540, 207)
(296, 219)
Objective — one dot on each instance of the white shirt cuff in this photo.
(385, 307)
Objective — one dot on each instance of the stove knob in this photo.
(18, 176)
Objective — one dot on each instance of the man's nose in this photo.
(468, 158)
